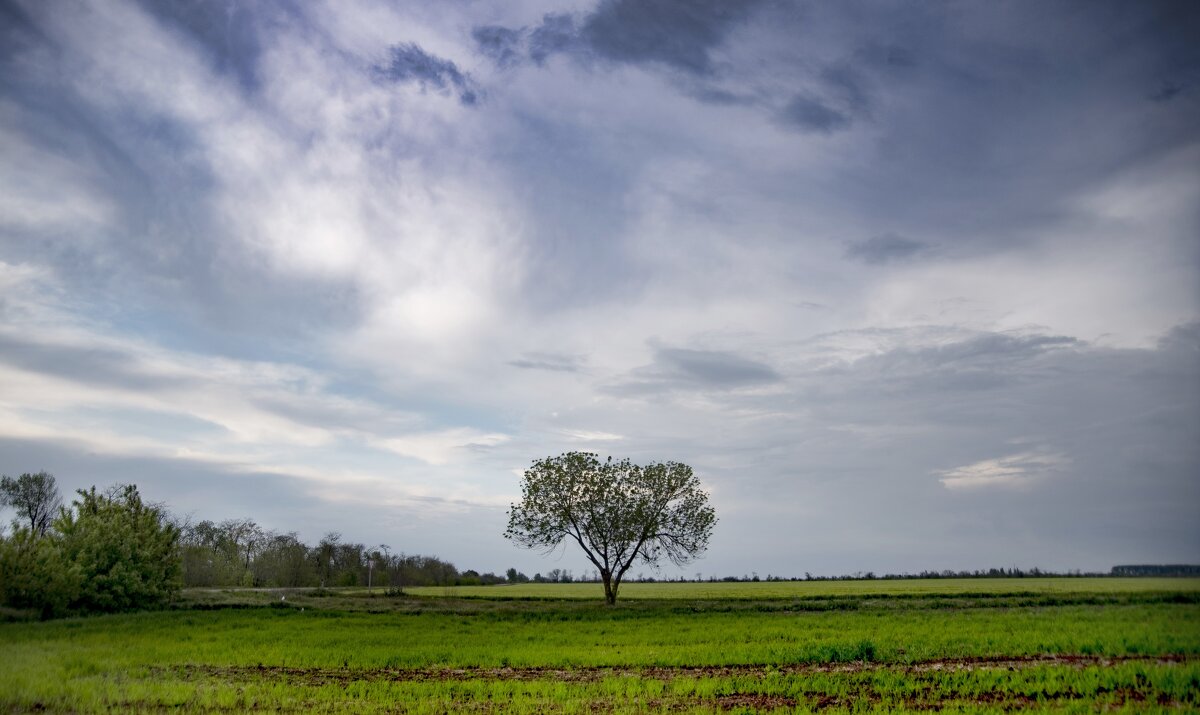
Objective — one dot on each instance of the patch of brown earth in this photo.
(323, 676)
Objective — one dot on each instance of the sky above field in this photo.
(910, 286)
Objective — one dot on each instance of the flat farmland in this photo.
(973, 647)
(757, 590)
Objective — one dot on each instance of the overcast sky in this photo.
(909, 285)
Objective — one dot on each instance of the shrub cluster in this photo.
(108, 552)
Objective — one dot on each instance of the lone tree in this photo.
(616, 511)
(35, 497)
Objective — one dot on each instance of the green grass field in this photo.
(1069, 646)
(817, 589)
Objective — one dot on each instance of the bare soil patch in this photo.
(325, 676)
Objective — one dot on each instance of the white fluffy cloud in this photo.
(1013, 471)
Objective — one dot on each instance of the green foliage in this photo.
(237, 552)
(283, 561)
(34, 575)
(126, 552)
(618, 512)
(34, 496)
(109, 552)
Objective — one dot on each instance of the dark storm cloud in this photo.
(1176, 25)
(849, 85)
(885, 56)
(887, 248)
(18, 31)
(553, 362)
(992, 346)
(841, 96)
(556, 33)
(992, 390)
(501, 44)
(1121, 422)
(685, 369)
(88, 365)
(228, 32)
(1100, 441)
(1008, 93)
(985, 362)
(810, 114)
(409, 63)
(1183, 339)
(679, 34)
(715, 368)
(572, 262)
(676, 33)
(973, 129)
(715, 95)
(1167, 92)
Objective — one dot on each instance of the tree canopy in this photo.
(618, 512)
(34, 496)
(108, 552)
(127, 551)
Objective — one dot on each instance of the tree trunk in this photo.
(610, 591)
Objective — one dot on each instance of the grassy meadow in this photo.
(1069, 645)
(756, 590)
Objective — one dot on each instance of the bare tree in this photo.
(616, 511)
(34, 496)
(246, 538)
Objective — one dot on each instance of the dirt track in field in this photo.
(923, 693)
(325, 676)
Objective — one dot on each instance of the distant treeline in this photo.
(1157, 570)
(1012, 572)
(1137, 570)
(112, 551)
(238, 552)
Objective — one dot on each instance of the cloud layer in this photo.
(909, 287)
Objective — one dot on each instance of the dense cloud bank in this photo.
(909, 287)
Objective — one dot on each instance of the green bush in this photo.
(126, 551)
(109, 552)
(35, 576)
